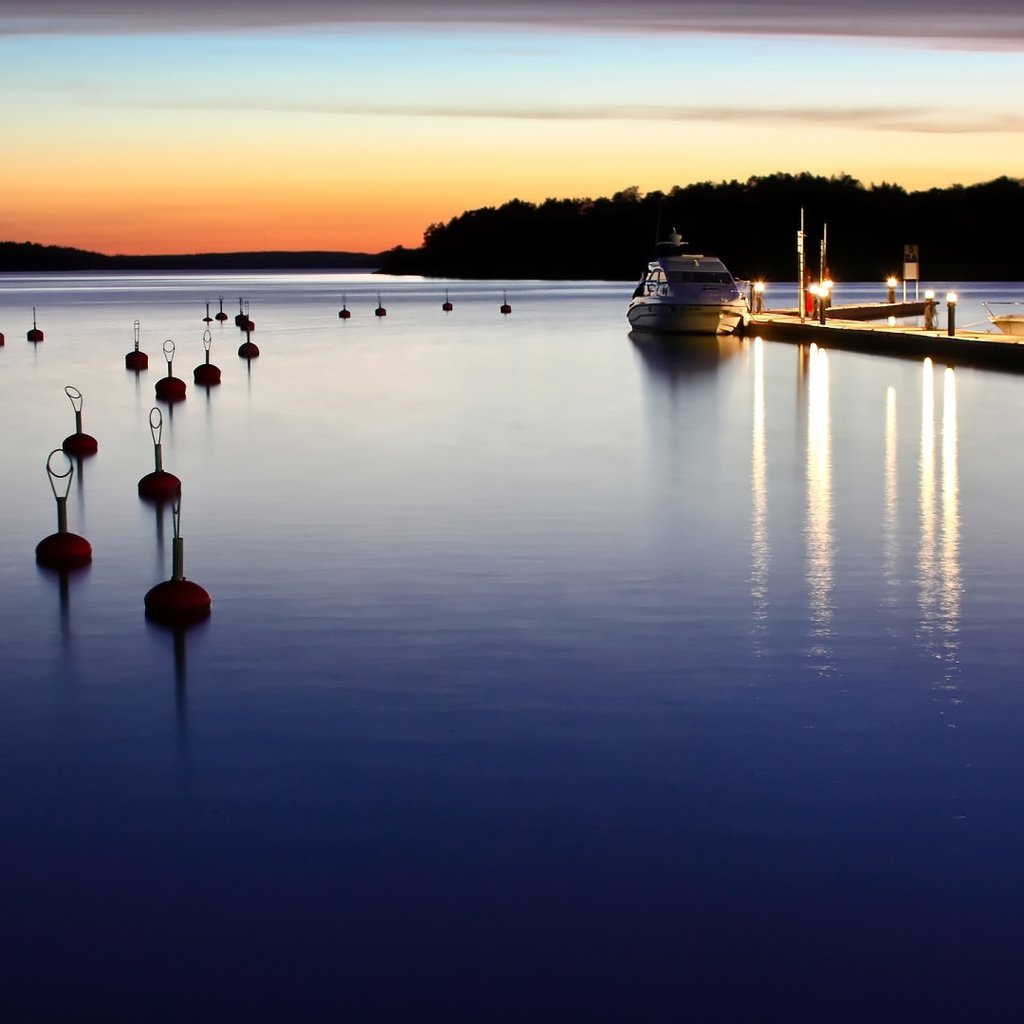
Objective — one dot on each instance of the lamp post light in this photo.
(951, 313)
(759, 296)
(891, 285)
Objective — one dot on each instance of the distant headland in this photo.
(962, 233)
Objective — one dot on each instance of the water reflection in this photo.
(678, 358)
(890, 515)
(760, 552)
(939, 580)
(819, 507)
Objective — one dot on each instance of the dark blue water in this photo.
(551, 674)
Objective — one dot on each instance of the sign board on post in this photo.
(910, 263)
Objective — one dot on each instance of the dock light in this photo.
(891, 285)
(929, 310)
(951, 313)
(759, 296)
(823, 299)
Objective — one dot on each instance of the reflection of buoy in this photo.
(159, 485)
(136, 360)
(206, 373)
(446, 306)
(78, 443)
(34, 335)
(62, 550)
(221, 315)
(170, 388)
(344, 312)
(248, 349)
(207, 319)
(505, 307)
(380, 310)
(177, 601)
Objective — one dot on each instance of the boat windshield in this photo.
(699, 276)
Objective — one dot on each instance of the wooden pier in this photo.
(963, 348)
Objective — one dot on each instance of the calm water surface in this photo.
(552, 674)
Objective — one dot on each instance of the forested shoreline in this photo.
(963, 233)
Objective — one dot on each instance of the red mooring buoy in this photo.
(78, 443)
(34, 335)
(177, 601)
(206, 373)
(248, 349)
(446, 306)
(221, 315)
(62, 550)
(158, 486)
(380, 310)
(207, 319)
(344, 312)
(505, 307)
(1, 337)
(136, 359)
(170, 388)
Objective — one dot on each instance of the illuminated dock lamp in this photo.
(221, 315)
(170, 388)
(446, 306)
(248, 349)
(78, 443)
(344, 313)
(759, 296)
(62, 550)
(206, 373)
(505, 308)
(891, 283)
(34, 335)
(158, 486)
(380, 310)
(136, 359)
(929, 310)
(951, 313)
(177, 601)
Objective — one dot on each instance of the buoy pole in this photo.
(177, 545)
(62, 550)
(156, 429)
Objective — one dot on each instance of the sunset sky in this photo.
(197, 126)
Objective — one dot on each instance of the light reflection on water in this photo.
(544, 662)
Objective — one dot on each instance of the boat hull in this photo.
(1010, 324)
(666, 317)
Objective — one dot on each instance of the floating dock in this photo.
(962, 348)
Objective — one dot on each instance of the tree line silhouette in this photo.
(962, 233)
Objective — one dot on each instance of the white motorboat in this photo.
(686, 293)
(1010, 322)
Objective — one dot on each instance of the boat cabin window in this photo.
(655, 283)
(699, 277)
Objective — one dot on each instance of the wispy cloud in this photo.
(925, 120)
(996, 23)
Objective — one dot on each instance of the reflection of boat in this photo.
(1008, 323)
(677, 360)
(685, 293)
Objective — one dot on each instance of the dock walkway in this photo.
(966, 348)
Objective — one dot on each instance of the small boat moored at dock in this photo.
(1010, 322)
(687, 293)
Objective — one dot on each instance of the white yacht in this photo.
(685, 293)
